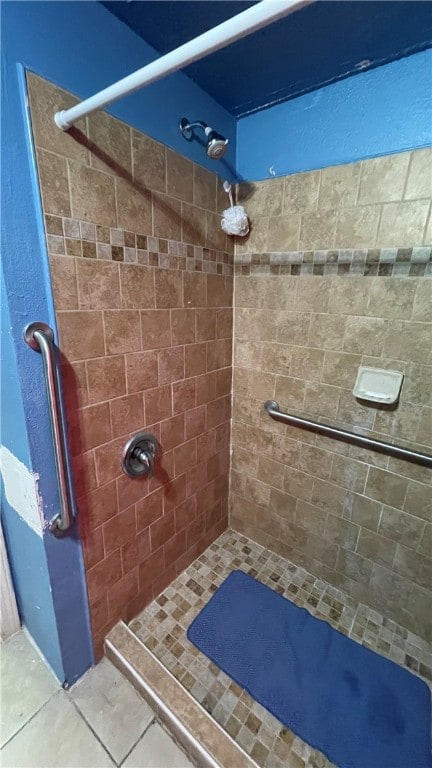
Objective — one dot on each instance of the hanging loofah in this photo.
(234, 219)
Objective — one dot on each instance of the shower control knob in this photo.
(138, 455)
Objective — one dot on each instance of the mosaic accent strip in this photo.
(162, 628)
(375, 262)
(71, 237)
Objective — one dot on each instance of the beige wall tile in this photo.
(422, 308)
(401, 423)
(317, 230)
(92, 195)
(215, 236)
(413, 566)
(391, 297)
(419, 182)
(193, 224)
(301, 192)
(264, 198)
(289, 392)
(204, 188)
(310, 518)
(417, 385)
(349, 473)
(402, 224)
(137, 286)
(149, 162)
(45, 100)
(286, 450)
(312, 294)
(256, 240)
(365, 512)
(283, 233)
(377, 548)
(297, 484)
(383, 178)
(134, 207)
(275, 358)
(357, 227)
(326, 331)
(355, 566)
(98, 284)
(306, 363)
(258, 324)
(340, 369)
(354, 412)
(321, 399)
(365, 335)
(314, 461)
(306, 328)
(418, 500)
(112, 143)
(349, 297)
(167, 217)
(425, 546)
(81, 335)
(328, 497)
(64, 283)
(179, 176)
(427, 237)
(401, 527)
(386, 487)
(341, 532)
(54, 183)
(293, 328)
(339, 186)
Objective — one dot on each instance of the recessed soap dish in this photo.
(378, 385)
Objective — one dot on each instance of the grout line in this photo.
(24, 725)
(90, 727)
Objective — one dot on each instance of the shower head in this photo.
(217, 144)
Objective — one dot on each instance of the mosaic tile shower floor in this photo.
(162, 628)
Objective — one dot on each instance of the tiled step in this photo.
(200, 736)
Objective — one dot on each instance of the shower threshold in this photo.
(214, 719)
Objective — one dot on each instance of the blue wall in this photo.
(81, 47)
(379, 112)
(26, 549)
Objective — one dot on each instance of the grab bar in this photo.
(273, 410)
(40, 336)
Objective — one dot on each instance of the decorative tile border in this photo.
(71, 237)
(383, 262)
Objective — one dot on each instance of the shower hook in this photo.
(227, 187)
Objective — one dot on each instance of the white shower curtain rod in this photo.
(254, 18)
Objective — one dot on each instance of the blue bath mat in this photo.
(360, 709)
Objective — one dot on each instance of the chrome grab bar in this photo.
(273, 410)
(40, 336)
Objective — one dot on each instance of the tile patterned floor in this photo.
(101, 722)
(162, 627)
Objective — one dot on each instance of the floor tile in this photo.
(56, 737)
(156, 749)
(26, 683)
(112, 707)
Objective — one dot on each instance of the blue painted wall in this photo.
(379, 112)
(83, 48)
(26, 549)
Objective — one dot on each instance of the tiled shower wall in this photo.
(333, 276)
(142, 283)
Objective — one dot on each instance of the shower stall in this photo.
(172, 335)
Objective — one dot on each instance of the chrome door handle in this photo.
(40, 336)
